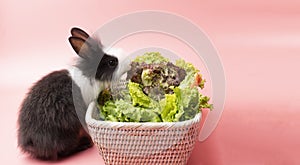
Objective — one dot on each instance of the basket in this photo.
(142, 143)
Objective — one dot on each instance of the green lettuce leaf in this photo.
(203, 102)
(169, 108)
(123, 111)
(151, 58)
(139, 98)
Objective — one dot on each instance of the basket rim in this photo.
(156, 125)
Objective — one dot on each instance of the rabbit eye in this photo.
(112, 63)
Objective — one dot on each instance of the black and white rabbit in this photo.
(51, 118)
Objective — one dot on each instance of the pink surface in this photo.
(258, 43)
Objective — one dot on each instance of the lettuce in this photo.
(188, 99)
(156, 97)
(139, 98)
(123, 111)
(192, 74)
(151, 58)
(169, 108)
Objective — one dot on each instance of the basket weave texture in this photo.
(142, 143)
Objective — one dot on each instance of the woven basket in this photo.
(142, 143)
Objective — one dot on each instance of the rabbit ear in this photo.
(81, 47)
(76, 32)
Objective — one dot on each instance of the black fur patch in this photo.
(48, 122)
(98, 65)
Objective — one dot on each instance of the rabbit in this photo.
(51, 122)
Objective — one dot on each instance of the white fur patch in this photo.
(90, 88)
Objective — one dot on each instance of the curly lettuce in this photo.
(151, 58)
(157, 91)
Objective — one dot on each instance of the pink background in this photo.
(258, 43)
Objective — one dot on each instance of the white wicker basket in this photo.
(142, 143)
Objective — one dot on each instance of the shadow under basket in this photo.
(142, 143)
